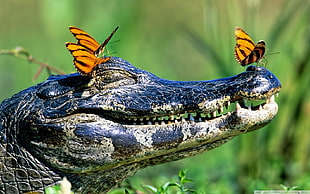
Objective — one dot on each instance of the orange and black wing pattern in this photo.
(86, 51)
(246, 52)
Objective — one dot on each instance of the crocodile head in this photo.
(98, 130)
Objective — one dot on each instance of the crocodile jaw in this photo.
(137, 146)
(128, 144)
(195, 137)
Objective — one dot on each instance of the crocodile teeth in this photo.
(190, 116)
(270, 100)
(238, 107)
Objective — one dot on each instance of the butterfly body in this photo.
(87, 50)
(246, 52)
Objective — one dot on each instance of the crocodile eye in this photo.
(61, 84)
(113, 77)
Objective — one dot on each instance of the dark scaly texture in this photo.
(99, 130)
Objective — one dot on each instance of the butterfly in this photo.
(87, 50)
(246, 52)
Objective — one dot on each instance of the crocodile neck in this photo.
(98, 130)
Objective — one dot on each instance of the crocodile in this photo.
(98, 130)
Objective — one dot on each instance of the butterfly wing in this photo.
(84, 59)
(84, 39)
(256, 54)
(85, 52)
(244, 45)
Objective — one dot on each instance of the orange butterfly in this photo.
(87, 50)
(246, 52)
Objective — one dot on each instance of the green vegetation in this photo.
(179, 187)
(188, 40)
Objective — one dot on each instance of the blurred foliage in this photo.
(185, 40)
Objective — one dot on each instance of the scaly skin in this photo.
(99, 130)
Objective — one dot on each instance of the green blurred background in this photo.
(185, 40)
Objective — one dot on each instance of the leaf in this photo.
(151, 188)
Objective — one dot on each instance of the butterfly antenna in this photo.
(102, 46)
(278, 52)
